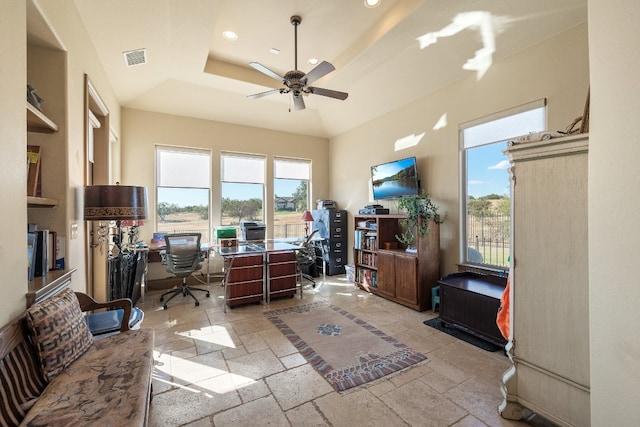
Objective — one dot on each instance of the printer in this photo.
(250, 230)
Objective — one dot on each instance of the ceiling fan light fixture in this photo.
(230, 35)
(297, 82)
(371, 3)
(274, 50)
(313, 61)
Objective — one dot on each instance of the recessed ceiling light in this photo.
(313, 61)
(371, 3)
(230, 35)
(274, 50)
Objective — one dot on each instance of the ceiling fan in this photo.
(296, 81)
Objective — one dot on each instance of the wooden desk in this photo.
(256, 272)
(156, 249)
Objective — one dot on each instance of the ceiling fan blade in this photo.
(264, 70)
(328, 92)
(320, 70)
(298, 102)
(261, 94)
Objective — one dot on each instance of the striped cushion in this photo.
(21, 382)
(60, 331)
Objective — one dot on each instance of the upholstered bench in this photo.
(53, 373)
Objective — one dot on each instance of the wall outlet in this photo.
(74, 231)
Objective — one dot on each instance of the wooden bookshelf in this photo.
(38, 122)
(385, 268)
(41, 202)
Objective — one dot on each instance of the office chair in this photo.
(182, 258)
(306, 257)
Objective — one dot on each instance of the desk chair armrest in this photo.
(89, 304)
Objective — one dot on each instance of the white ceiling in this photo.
(192, 71)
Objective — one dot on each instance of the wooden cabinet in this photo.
(385, 268)
(550, 281)
(282, 274)
(397, 276)
(407, 280)
(244, 279)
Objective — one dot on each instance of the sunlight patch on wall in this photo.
(480, 21)
(441, 123)
(408, 141)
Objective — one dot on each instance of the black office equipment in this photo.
(250, 230)
(332, 228)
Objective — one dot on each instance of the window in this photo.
(242, 188)
(291, 191)
(486, 190)
(183, 190)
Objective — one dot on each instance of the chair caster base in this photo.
(164, 306)
(208, 294)
(197, 303)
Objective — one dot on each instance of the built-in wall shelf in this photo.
(41, 202)
(43, 287)
(38, 122)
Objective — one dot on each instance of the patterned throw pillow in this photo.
(60, 332)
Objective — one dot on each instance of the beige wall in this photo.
(614, 154)
(557, 69)
(13, 225)
(81, 59)
(143, 130)
(67, 40)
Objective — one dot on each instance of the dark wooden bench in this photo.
(470, 301)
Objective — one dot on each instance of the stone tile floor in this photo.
(236, 369)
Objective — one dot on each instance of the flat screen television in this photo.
(395, 179)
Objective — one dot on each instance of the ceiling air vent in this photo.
(135, 57)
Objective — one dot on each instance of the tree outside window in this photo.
(486, 193)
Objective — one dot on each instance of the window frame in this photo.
(159, 148)
(308, 173)
(463, 150)
(261, 157)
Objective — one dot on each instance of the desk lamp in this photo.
(306, 217)
(115, 203)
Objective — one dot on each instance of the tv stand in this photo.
(384, 267)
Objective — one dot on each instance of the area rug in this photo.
(345, 350)
(436, 323)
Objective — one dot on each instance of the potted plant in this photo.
(420, 211)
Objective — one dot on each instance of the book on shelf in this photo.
(367, 278)
(51, 251)
(32, 247)
(34, 174)
(41, 266)
(59, 253)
